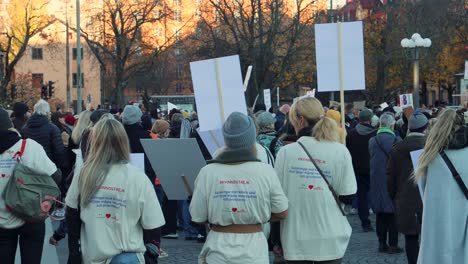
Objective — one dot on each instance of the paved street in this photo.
(362, 249)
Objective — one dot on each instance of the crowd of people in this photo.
(285, 182)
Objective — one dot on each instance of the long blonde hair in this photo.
(109, 145)
(325, 129)
(437, 140)
(84, 122)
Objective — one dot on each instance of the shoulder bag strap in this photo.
(20, 153)
(380, 147)
(455, 173)
(324, 178)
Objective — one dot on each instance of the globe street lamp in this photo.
(414, 44)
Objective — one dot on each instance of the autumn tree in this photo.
(118, 39)
(268, 34)
(25, 92)
(25, 19)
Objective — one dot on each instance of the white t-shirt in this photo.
(315, 229)
(33, 157)
(246, 193)
(114, 221)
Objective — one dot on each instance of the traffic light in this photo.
(13, 92)
(44, 91)
(51, 89)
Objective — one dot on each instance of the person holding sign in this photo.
(236, 194)
(442, 172)
(317, 175)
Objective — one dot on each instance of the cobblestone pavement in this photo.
(362, 249)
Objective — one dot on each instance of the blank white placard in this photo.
(267, 99)
(213, 107)
(328, 61)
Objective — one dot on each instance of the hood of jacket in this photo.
(7, 140)
(37, 121)
(364, 129)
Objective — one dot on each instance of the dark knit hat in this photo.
(365, 115)
(239, 132)
(418, 122)
(20, 109)
(5, 121)
(96, 115)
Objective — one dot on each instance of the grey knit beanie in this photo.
(265, 119)
(131, 115)
(239, 132)
(417, 121)
(5, 121)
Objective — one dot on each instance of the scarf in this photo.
(385, 130)
(228, 155)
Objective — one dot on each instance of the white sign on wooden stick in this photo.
(171, 106)
(406, 100)
(267, 99)
(219, 90)
(327, 52)
(466, 71)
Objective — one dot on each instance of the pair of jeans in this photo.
(125, 258)
(363, 201)
(385, 224)
(412, 248)
(189, 230)
(31, 241)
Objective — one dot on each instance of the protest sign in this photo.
(340, 44)
(247, 78)
(267, 99)
(219, 90)
(466, 71)
(406, 100)
(171, 159)
(339, 49)
(213, 140)
(171, 106)
(383, 106)
(415, 155)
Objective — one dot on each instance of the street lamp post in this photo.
(415, 43)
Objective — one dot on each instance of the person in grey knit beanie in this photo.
(131, 115)
(239, 132)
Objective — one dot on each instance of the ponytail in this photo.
(326, 129)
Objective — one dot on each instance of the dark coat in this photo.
(136, 132)
(41, 130)
(401, 187)
(280, 119)
(380, 199)
(357, 142)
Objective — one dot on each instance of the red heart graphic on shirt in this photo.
(3, 175)
(108, 215)
(311, 187)
(234, 210)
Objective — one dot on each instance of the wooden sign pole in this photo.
(340, 59)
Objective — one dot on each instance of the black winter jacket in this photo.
(357, 142)
(41, 130)
(136, 132)
(401, 187)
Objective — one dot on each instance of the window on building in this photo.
(157, 13)
(178, 16)
(37, 53)
(177, 2)
(158, 32)
(179, 71)
(37, 80)
(74, 53)
(75, 80)
(178, 88)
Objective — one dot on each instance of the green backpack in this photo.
(28, 194)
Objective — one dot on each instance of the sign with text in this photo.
(267, 99)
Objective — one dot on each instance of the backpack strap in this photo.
(455, 173)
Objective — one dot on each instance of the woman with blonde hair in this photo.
(442, 174)
(317, 175)
(84, 123)
(114, 200)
